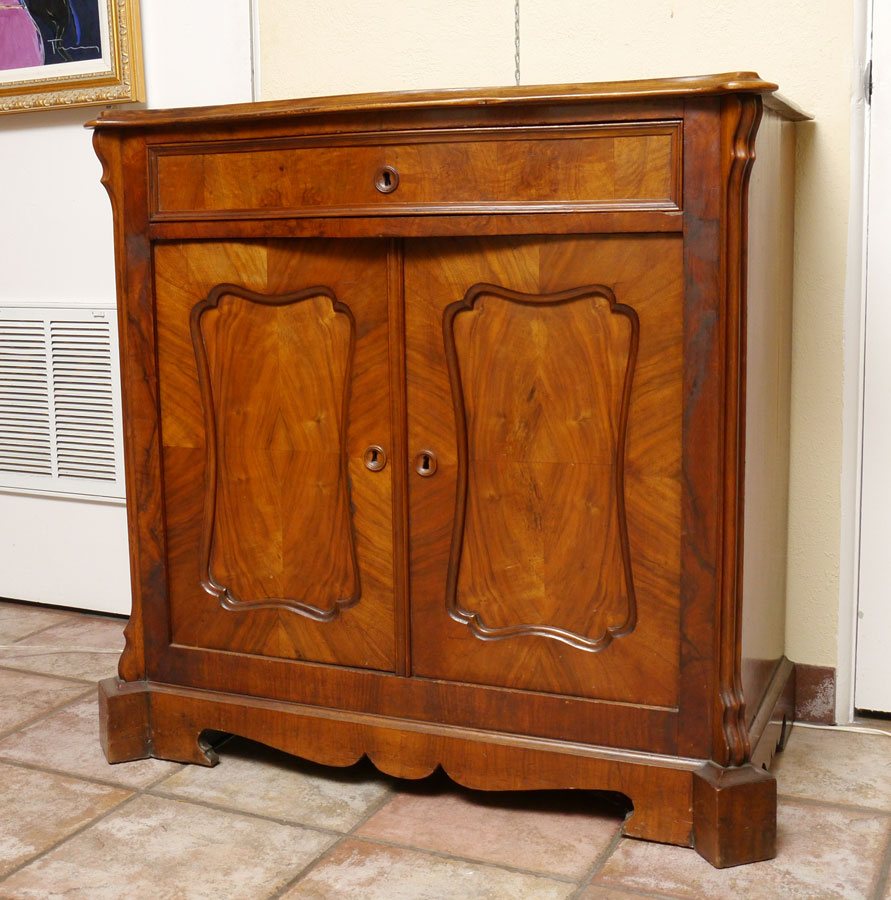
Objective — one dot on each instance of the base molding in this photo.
(815, 694)
(676, 800)
(774, 718)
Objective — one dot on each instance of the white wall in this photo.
(807, 46)
(56, 247)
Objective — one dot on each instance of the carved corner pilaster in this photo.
(741, 115)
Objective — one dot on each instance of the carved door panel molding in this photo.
(503, 440)
(252, 441)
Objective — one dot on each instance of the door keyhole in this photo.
(374, 458)
(425, 463)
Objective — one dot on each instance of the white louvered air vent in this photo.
(60, 401)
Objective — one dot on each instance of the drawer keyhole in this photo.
(425, 463)
(386, 179)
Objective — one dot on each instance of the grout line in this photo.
(156, 790)
(828, 804)
(20, 670)
(41, 629)
(599, 863)
(34, 720)
(126, 801)
(476, 861)
(50, 771)
(145, 789)
(313, 863)
(884, 873)
(635, 892)
(375, 808)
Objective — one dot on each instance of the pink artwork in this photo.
(20, 42)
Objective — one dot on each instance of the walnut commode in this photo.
(440, 409)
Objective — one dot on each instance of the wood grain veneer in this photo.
(632, 166)
(436, 411)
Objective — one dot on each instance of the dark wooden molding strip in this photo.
(724, 83)
(815, 688)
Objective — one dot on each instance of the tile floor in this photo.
(265, 826)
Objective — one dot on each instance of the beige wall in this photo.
(310, 48)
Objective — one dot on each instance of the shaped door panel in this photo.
(545, 375)
(274, 367)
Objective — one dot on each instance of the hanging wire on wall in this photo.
(517, 42)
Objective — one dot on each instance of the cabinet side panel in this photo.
(769, 324)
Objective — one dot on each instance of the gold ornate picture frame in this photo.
(69, 53)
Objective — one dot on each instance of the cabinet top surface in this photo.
(726, 83)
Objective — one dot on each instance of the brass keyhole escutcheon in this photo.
(386, 179)
(425, 463)
(374, 457)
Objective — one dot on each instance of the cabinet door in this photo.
(545, 424)
(274, 382)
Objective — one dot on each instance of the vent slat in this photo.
(25, 433)
(59, 401)
(82, 395)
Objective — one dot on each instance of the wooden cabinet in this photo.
(436, 409)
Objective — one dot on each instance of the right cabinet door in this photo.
(545, 431)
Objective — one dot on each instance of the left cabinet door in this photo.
(274, 393)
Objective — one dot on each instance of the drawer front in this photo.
(608, 167)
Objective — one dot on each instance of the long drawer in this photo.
(623, 166)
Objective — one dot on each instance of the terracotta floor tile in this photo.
(553, 832)
(823, 854)
(17, 620)
(158, 849)
(68, 740)
(39, 809)
(838, 767)
(597, 892)
(24, 696)
(257, 779)
(85, 647)
(356, 870)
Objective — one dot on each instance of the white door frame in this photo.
(871, 668)
(853, 373)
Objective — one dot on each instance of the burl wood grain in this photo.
(542, 538)
(276, 508)
(626, 166)
(276, 442)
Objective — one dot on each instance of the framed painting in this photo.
(69, 53)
